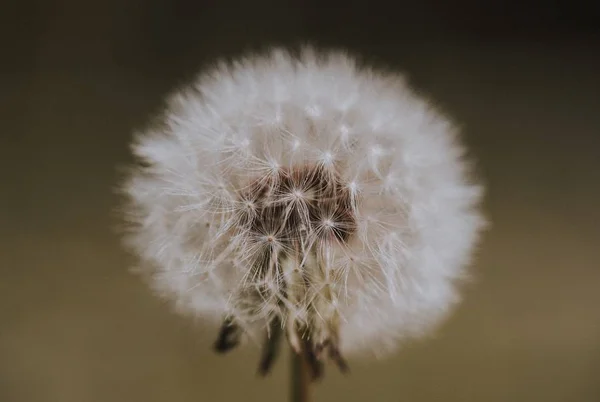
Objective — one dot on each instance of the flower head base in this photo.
(308, 197)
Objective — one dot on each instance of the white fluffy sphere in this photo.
(306, 189)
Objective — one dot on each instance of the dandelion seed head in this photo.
(305, 189)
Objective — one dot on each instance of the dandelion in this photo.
(308, 198)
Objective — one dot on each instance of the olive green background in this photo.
(77, 77)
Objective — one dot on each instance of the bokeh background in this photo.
(77, 77)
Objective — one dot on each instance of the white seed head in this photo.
(306, 190)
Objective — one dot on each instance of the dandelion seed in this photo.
(273, 215)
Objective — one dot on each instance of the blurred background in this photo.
(77, 77)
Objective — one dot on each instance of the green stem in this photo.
(300, 381)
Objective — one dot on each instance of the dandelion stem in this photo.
(300, 378)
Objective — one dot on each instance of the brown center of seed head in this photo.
(299, 203)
